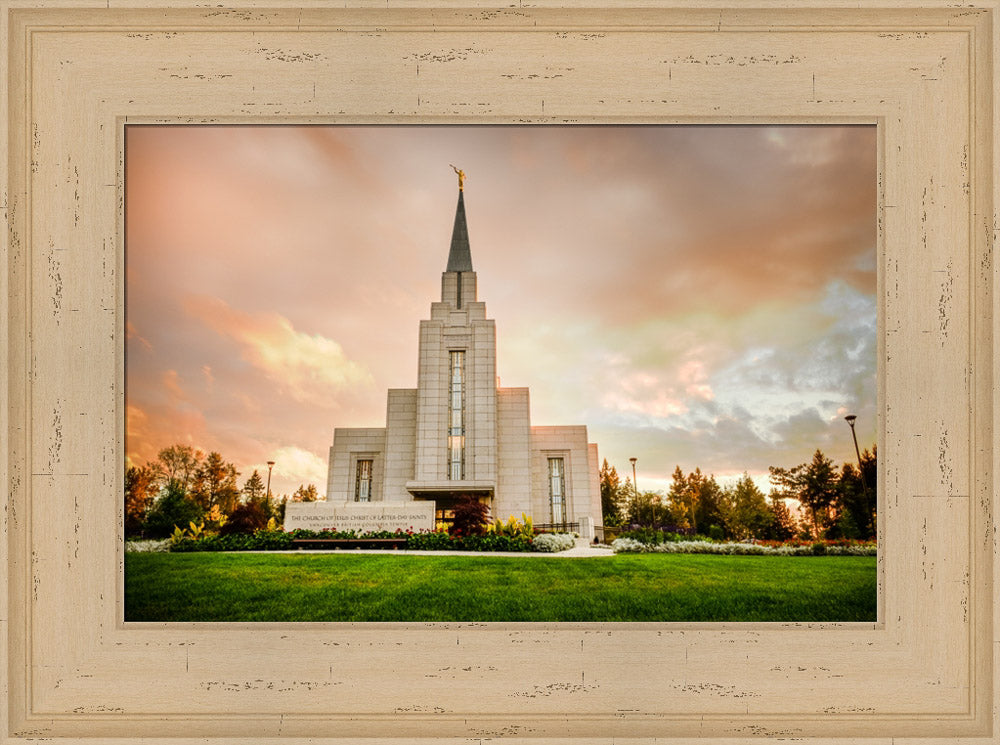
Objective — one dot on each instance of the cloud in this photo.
(299, 466)
(132, 335)
(310, 368)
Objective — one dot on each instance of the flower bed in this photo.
(278, 540)
(759, 548)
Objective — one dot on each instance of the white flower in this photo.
(552, 542)
(147, 546)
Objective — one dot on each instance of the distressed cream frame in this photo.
(76, 71)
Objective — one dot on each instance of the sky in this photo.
(698, 296)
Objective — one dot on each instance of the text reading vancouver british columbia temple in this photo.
(459, 433)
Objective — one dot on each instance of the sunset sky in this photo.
(697, 295)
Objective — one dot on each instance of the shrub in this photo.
(650, 536)
(433, 541)
(246, 518)
(261, 540)
(552, 542)
(470, 516)
(513, 527)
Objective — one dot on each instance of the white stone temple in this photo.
(459, 433)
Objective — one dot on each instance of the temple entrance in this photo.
(444, 505)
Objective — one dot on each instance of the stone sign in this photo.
(363, 517)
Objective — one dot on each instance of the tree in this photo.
(857, 491)
(694, 501)
(783, 524)
(140, 491)
(681, 500)
(305, 494)
(815, 486)
(278, 505)
(253, 489)
(247, 517)
(750, 515)
(709, 507)
(172, 509)
(614, 496)
(648, 509)
(470, 516)
(179, 463)
(214, 483)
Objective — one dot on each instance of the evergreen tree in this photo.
(751, 515)
(783, 526)
(708, 505)
(253, 489)
(815, 486)
(614, 495)
(678, 498)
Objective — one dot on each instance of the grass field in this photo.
(625, 587)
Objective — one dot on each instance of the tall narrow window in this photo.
(456, 418)
(363, 482)
(557, 495)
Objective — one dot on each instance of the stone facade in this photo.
(459, 433)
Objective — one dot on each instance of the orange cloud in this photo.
(307, 367)
(131, 333)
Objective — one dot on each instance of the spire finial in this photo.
(461, 177)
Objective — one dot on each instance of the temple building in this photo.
(459, 433)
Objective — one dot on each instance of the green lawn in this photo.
(625, 587)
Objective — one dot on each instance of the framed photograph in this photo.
(76, 77)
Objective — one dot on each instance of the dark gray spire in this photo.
(460, 257)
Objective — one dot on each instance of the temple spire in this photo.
(460, 256)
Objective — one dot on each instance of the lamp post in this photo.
(850, 419)
(635, 485)
(270, 465)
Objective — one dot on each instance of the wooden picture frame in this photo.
(76, 72)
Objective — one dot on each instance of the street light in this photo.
(635, 485)
(270, 465)
(850, 419)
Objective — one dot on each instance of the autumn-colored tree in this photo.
(179, 463)
(214, 483)
(141, 487)
(305, 494)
